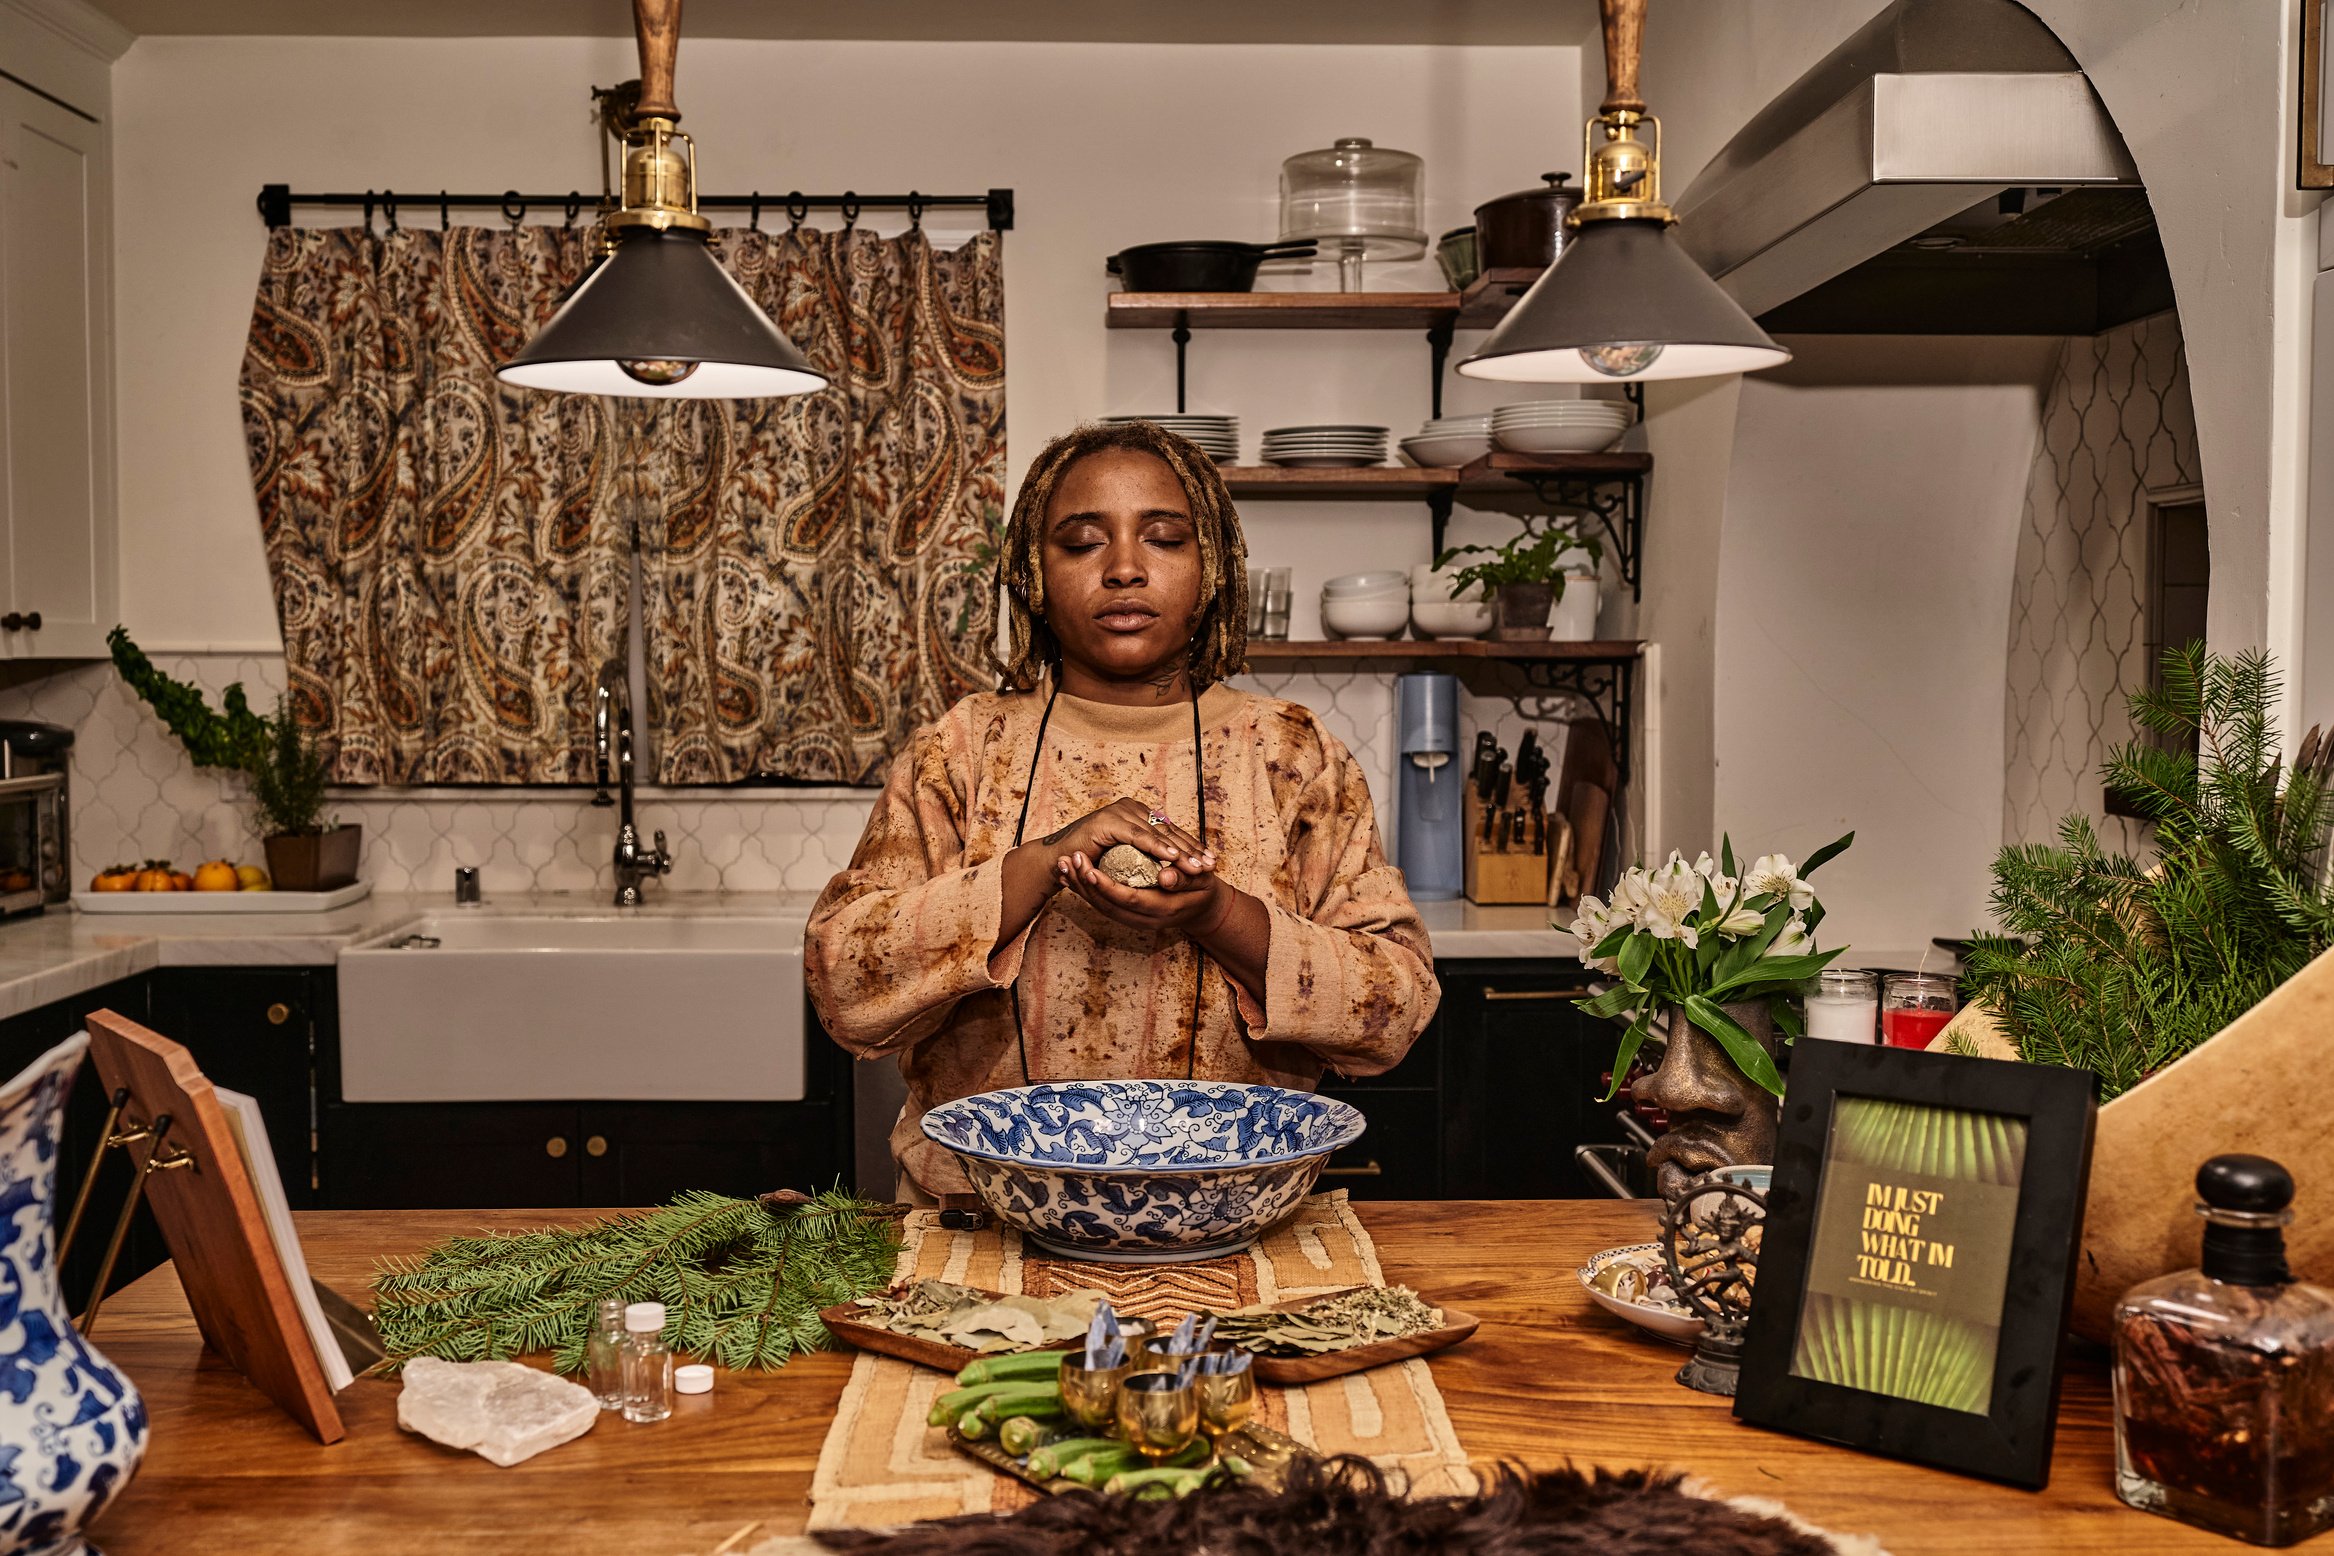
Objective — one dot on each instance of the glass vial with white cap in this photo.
(648, 1365)
(604, 1354)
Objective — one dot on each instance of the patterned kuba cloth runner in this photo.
(882, 1466)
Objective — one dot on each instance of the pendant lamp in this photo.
(656, 315)
(1623, 302)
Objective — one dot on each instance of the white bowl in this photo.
(1352, 618)
(1450, 618)
(1677, 1328)
(1559, 438)
(1367, 583)
(1447, 451)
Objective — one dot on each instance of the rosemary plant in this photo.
(742, 1280)
(2122, 965)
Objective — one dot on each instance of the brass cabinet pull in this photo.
(1533, 994)
(1368, 1169)
(597, 1145)
(278, 1014)
(555, 1147)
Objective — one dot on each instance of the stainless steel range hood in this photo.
(1900, 183)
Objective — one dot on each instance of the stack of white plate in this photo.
(1325, 448)
(1561, 426)
(1450, 440)
(1218, 437)
(1366, 605)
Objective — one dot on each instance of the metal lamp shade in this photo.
(1623, 303)
(661, 301)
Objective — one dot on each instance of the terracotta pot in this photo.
(2249, 1088)
(315, 861)
(1521, 612)
(1718, 1116)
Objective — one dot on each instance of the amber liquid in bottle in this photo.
(2224, 1375)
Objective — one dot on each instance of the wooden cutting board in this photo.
(843, 1322)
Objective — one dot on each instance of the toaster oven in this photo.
(36, 853)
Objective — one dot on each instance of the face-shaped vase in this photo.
(1718, 1116)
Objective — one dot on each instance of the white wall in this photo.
(1863, 606)
(1104, 145)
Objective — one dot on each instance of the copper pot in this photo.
(1525, 230)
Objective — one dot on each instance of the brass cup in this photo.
(1158, 1414)
(1090, 1394)
(1226, 1399)
(1152, 1353)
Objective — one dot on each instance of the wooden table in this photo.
(1549, 1378)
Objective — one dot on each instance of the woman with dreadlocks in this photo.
(975, 934)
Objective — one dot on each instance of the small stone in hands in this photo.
(1128, 865)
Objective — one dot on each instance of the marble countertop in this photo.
(60, 953)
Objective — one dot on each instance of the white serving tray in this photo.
(221, 901)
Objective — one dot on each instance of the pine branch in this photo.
(742, 1281)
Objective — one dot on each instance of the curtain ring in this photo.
(574, 206)
(368, 213)
(797, 208)
(445, 215)
(389, 207)
(511, 197)
(850, 209)
(915, 211)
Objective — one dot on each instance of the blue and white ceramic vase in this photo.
(72, 1427)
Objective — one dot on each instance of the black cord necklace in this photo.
(1199, 958)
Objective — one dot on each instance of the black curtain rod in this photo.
(276, 202)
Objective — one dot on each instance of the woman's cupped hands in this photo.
(1189, 895)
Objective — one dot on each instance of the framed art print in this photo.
(1919, 1254)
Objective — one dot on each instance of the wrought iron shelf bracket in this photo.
(1616, 502)
(1608, 687)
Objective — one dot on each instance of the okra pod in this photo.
(1049, 1460)
(1029, 1366)
(956, 1402)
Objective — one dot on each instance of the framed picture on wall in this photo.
(1919, 1256)
(2317, 140)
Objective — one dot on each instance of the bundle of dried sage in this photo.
(1338, 1323)
(981, 1320)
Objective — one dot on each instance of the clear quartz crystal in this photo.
(604, 1354)
(648, 1365)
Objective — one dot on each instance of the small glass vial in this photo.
(648, 1366)
(604, 1354)
(2224, 1375)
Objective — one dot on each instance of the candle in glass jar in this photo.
(1843, 1006)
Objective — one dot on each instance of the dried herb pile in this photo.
(979, 1320)
(742, 1280)
(1338, 1323)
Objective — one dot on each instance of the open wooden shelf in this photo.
(1484, 303)
(1542, 652)
(1498, 471)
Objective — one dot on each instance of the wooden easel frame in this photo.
(193, 1174)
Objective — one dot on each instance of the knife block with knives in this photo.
(1511, 835)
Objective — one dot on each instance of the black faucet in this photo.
(612, 742)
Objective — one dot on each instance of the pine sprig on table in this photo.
(2120, 965)
(742, 1281)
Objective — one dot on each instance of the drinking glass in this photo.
(1280, 597)
(1914, 1008)
(1158, 1414)
(1256, 602)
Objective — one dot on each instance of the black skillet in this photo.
(1199, 267)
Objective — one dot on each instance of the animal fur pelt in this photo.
(1345, 1507)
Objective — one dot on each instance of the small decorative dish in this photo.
(1669, 1320)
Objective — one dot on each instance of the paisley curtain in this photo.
(451, 557)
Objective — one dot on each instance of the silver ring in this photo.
(1156, 819)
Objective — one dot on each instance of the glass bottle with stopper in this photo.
(2224, 1374)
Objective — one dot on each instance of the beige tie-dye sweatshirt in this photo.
(902, 954)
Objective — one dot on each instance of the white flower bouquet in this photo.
(1701, 936)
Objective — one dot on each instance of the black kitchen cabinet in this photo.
(258, 1030)
(1521, 1068)
(555, 1155)
(24, 1038)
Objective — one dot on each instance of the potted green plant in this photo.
(1525, 577)
(306, 850)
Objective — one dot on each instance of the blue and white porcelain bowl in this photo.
(1143, 1172)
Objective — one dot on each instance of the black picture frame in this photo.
(2010, 1439)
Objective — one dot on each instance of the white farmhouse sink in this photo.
(539, 1007)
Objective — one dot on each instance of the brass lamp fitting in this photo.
(1624, 173)
(660, 178)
